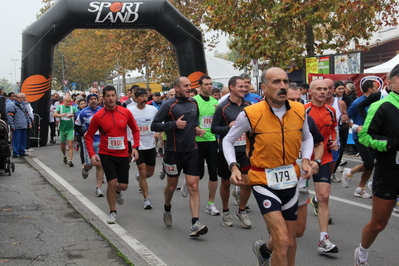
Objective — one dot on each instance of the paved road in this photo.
(141, 235)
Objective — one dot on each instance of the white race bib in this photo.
(282, 177)
(170, 169)
(144, 126)
(116, 143)
(206, 121)
(241, 140)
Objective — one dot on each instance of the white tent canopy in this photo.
(384, 67)
(221, 70)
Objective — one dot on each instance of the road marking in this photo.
(143, 251)
(354, 203)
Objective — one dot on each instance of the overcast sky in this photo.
(17, 15)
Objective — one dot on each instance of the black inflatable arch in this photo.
(40, 38)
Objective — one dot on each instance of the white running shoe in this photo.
(184, 189)
(362, 194)
(137, 176)
(256, 248)
(119, 198)
(112, 218)
(211, 209)
(370, 185)
(339, 169)
(198, 229)
(99, 192)
(357, 260)
(346, 177)
(325, 246)
(147, 204)
(167, 218)
(335, 179)
(244, 219)
(162, 174)
(226, 219)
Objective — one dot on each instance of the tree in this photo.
(286, 30)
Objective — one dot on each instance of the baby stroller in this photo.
(5, 152)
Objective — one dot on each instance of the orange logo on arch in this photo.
(116, 7)
(194, 77)
(35, 87)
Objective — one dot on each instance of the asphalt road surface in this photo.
(143, 238)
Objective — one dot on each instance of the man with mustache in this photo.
(326, 121)
(144, 115)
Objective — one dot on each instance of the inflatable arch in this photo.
(40, 38)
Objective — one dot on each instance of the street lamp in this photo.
(15, 72)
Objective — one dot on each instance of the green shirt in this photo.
(66, 124)
(206, 111)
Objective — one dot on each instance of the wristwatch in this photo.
(318, 161)
(236, 164)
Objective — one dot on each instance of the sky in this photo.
(17, 15)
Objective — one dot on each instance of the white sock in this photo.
(349, 172)
(363, 253)
(322, 235)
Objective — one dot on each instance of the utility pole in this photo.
(15, 71)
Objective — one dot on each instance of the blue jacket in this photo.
(355, 115)
(17, 116)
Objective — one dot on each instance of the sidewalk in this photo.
(39, 227)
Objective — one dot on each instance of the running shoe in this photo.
(112, 218)
(119, 198)
(339, 169)
(343, 162)
(99, 192)
(362, 194)
(236, 196)
(167, 218)
(162, 174)
(184, 189)
(346, 177)
(147, 204)
(137, 176)
(160, 152)
(315, 206)
(65, 160)
(325, 246)
(198, 229)
(211, 209)
(226, 219)
(70, 163)
(335, 179)
(256, 248)
(85, 173)
(244, 219)
(357, 260)
(52, 141)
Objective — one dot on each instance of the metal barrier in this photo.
(36, 130)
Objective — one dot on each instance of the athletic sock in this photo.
(210, 202)
(363, 253)
(194, 220)
(322, 235)
(226, 210)
(264, 251)
(167, 208)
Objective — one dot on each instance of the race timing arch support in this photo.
(39, 40)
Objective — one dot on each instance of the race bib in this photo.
(170, 169)
(282, 177)
(241, 140)
(206, 121)
(116, 143)
(64, 118)
(144, 126)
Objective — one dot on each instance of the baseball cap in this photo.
(157, 94)
(395, 71)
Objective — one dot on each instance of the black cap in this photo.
(338, 83)
(305, 86)
(395, 71)
(157, 94)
